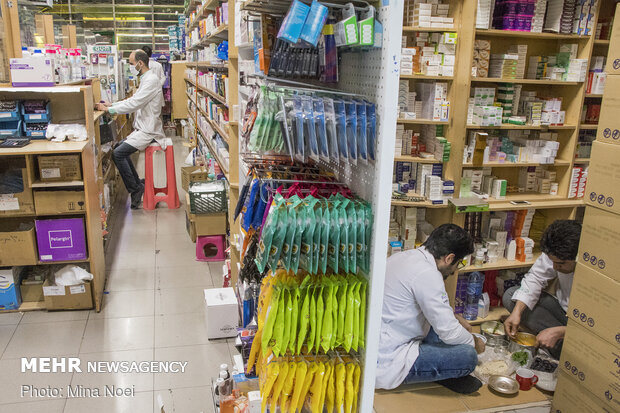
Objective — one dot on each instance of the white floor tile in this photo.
(45, 339)
(141, 381)
(171, 257)
(179, 301)
(117, 334)
(54, 316)
(193, 399)
(6, 333)
(174, 242)
(48, 406)
(132, 259)
(118, 304)
(12, 380)
(131, 279)
(203, 364)
(173, 330)
(141, 402)
(183, 276)
(10, 318)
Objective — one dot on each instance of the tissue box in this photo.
(10, 297)
(222, 312)
(61, 239)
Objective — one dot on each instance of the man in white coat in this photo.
(542, 313)
(146, 103)
(421, 340)
(155, 66)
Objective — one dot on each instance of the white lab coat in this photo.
(538, 278)
(415, 299)
(146, 103)
(158, 69)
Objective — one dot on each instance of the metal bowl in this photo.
(514, 346)
(504, 384)
(492, 338)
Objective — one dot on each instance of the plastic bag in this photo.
(321, 131)
(300, 144)
(316, 242)
(362, 141)
(340, 379)
(273, 371)
(305, 260)
(312, 144)
(343, 221)
(312, 291)
(71, 275)
(278, 328)
(304, 314)
(279, 385)
(362, 325)
(301, 373)
(279, 235)
(352, 131)
(327, 328)
(320, 313)
(341, 129)
(287, 246)
(287, 389)
(342, 309)
(371, 131)
(352, 237)
(356, 316)
(333, 248)
(288, 316)
(313, 368)
(295, 293)
(330, 128)
(361, 236)
(325, 231)
(300, 211)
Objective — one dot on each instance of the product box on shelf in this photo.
(18, 244)
(221, 312)
(17, 203)
(593, 363)
(59, 168)
(594, 303)
(68, 297)
(613, 55)
(59, 201)
(603, 185)
(32, 71)
(598, 246)
(191, 174)
(61, 239)
(10, 296)
(608, 130)
(571, 396)
(32, 293)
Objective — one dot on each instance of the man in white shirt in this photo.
(543, 313)
(421, 340)
(155, 66)
(146, 103)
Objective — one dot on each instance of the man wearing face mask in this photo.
(146, 103)
(421, 339)
(540, 312)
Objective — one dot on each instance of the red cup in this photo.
(526, 378)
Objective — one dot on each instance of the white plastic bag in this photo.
(72, 275)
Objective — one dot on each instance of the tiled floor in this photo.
(152, 311)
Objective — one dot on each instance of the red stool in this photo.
(171, 195)
(211, 248)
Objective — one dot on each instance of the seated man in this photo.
(421, 339)
(539, 311)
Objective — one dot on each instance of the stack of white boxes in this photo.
(538, 21)
(482, 56)
(521, 51)
(483, 112)
(409, 61)
(400, 140)
(533, 112)
(578, 179)
(527, 180)
(407, 222)
(552, 113)
(428, 13)
(504, 66)
(433, 188)
(409, 106)
(424, 170)
(434, 100)
(484, 14)
(577, 70)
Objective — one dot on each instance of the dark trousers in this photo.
(122, 160)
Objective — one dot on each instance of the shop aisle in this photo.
(153, 311)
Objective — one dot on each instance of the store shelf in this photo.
(524, 127)
(501, 264)
(495, 314)
(594, 95)
(190, 97)
(192, 6)
(558, 162)
(201, 13)
(214, 125)
(421, 122)
(207, 142)
(418, 204)
(529, 35)
(583, 126)
(426, 77)
(29, 306)
(535, 201)
(97, 114)
(413, 29)
(582, 160)
(602, 42)
(214, 95)
(40, 184)
(63, 262)
(213, 37)
(524, 81)
(188, 80)
(222, 66)
(416, 159)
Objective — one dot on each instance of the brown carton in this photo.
(603, 187)
(32, 293)
(18, 245)
(600, 238)
(18, 203)
(67, 297)
(608, 130)
(613, 57)
(59, 202)
(59, 168)
(594, 304)
(593, 363)
(570, 396)
(190, 174)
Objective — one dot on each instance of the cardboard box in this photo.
(18, 203)
(613, 57)
(593, 363)
(609, 119)
(189, 175)
(68, 297)
(594, 303)
(210, 224)
(59, 201)
(222, 312)
(598, 246)
(32, 293)
(32, 71)
(190, 227)
(10, 297)
(18, 244)
(61, 239)
(603, 186)
(571, 396)
(59, 168)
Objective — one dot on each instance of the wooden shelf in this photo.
(214, 125)
(593, 95)
(558, 162)
(416, 159)
(529, 35)
(582, 160)
(200, 14)
(588, 127)
(188, 80)
(97, 114)
(191, 98)
(501, 264)
(523, 127)
(419, 204)
(421, 122)
(524, 81)
(29, 306)
(55, 184)
(495, 314)
(63, 262)
(602, 42)
(223, 66)
(213, 37)
(413, 29)
(426, 77)
(207, 142)
(548, 204)
(214, 95)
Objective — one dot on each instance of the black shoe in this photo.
(136, 198)
(462, 385)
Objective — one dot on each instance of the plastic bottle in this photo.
(474, 292)
(248, 304)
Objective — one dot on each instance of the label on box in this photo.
(48, 173)
(5, 115)
(77, 289)
(46, 257)
(9, 203)
(36, 117)
(54, 290)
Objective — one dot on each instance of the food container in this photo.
(523, 341)
(504, 384)
(487, 329)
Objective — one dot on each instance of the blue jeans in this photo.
(122, 160)
(440, 361)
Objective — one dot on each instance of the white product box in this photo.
(222, 312)
(32, 71)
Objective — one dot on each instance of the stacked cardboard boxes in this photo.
(591, 377)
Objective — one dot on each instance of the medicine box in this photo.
(32, 71)
(61, 239)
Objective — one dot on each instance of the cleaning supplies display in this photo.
(310, 127)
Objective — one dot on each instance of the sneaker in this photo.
(136, 198)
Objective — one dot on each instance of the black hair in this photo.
(148, 50)
(449, 239)
(142, 56)
(561, 239)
